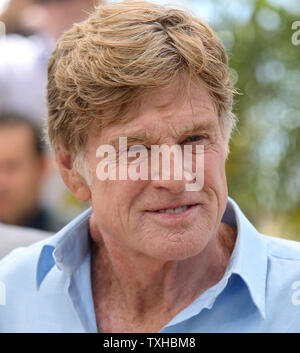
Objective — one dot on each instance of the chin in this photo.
(178, 251)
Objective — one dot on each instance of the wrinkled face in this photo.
(20, 174)
(160, 218)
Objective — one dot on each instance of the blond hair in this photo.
(103, 65)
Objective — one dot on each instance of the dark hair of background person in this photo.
(13, 119)
(24, 163)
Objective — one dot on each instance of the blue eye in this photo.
(137, 148)
(195, 138)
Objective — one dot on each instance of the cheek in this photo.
(215, 183)
(214, 170)
(114, 205)
(117, 199)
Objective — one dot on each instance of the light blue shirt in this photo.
(47, 286)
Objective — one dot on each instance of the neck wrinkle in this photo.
(170, 285)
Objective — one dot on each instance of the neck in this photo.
(145, 284)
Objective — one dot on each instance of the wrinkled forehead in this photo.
(179, 107)
(181, 93)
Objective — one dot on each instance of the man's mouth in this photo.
(171, 215)
(174, 210)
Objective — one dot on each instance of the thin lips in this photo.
(174, 206)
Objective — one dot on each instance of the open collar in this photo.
(70, 246)
(249, 258)
(67, 249)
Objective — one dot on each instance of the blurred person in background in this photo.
(23, 60)
(23, 77)
(12, 237)
(12, 16)
(23, 165)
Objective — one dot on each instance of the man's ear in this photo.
(73, 180)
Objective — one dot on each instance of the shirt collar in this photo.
(67, 249)
(248, 260)
(70, 246)
(249, 257)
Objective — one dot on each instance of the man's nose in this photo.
(170, 174)
(173, 186)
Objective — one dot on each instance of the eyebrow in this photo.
(146, 137)
(197, 126)
(140, 137)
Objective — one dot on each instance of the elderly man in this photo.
(153, 254)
